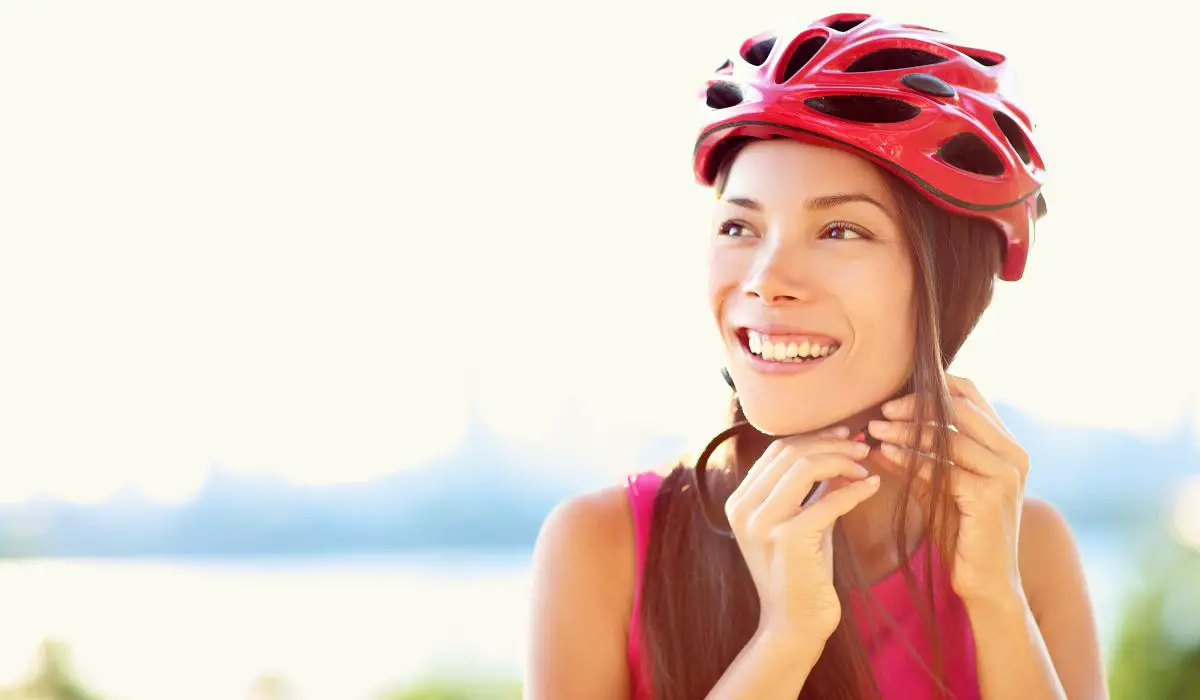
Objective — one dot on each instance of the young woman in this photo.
(866, 536)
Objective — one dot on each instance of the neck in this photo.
(870, 527)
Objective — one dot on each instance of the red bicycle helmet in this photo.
(930, 111)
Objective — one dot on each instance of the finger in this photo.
(993, 432)
(788, 497)
(827, 509)
(761, 478)
(965, 451)
(903, 460)
(833, 432)
(961, 386)
(776, 446)
(759, 470)
(903, 407)
(791, 451)
(966, 417)
(976, 423)
(907, 403)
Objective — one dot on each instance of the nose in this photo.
(779, 276)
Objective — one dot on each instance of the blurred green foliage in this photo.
(451, 689)
(1156, 654)
(53, 678)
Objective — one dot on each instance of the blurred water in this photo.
(334, 627)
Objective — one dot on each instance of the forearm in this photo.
(770, 667)
(1011, 657)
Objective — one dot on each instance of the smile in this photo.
(786, 352)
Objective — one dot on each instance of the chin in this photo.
(787, 420)
(780, 421)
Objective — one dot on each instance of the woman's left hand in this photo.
(987, 479)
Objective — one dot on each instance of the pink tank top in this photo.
(898, 673)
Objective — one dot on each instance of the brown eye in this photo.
(734, 229)
(842, 232)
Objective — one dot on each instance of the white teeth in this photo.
(787, 350)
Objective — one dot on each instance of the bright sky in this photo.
(303, 237)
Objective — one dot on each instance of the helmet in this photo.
(900, 95)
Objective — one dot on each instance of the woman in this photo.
(867, 535)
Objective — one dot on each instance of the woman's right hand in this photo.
(789, 548)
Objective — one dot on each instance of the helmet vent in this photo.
(722, 95)
(757, 53)
(801, 55)
(966, 151)
(983, 58)
(893, 59)
(1041, 205)
(845, 25)
(726, 68)
(865, 109)
(1012, 132)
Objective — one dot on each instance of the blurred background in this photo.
(311, 311)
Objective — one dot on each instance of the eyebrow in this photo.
(816, 203)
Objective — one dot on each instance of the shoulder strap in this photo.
(641, 490)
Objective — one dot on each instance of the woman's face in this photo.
(811, 286)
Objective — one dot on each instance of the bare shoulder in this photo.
(1048, 554)
(593, 530)
(583, 581)
(1045, 532)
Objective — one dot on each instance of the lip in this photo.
(777, 329)
(769, 367)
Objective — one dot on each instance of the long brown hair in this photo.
(699, 603)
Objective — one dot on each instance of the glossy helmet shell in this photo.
(932, 112)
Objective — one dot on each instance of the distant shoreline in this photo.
(440, 557)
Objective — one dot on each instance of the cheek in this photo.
(884, 316)
(724, 276)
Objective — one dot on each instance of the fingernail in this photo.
(873, 480)
(861, 449)
(841, 431)
(880, 427)
(890, 451)
(862, 471)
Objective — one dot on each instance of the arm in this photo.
(770, 667)
(1040, 642)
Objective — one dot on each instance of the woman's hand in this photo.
(987, 480)
(787, 547)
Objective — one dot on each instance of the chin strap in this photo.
(714, 513)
